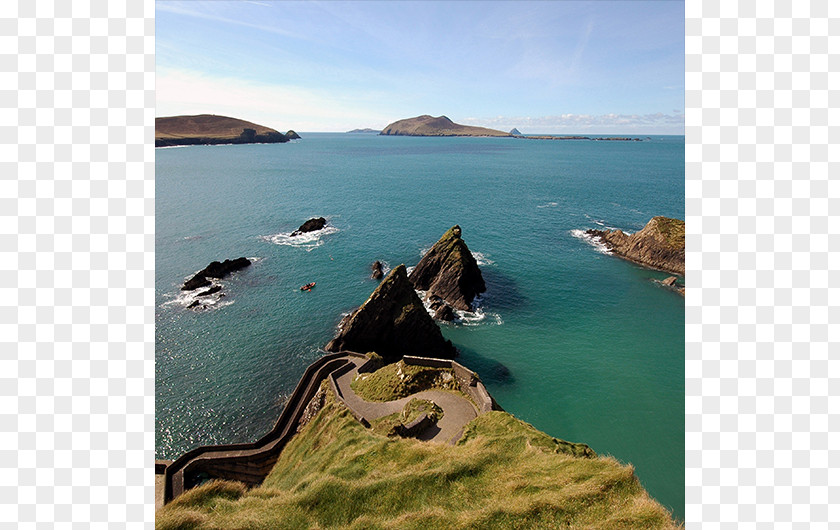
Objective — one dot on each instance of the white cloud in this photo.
(278, 106)
(656, 123)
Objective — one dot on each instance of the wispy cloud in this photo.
(179, 9)
(593, 123)
(273, 105)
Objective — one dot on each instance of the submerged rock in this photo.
(208, 292)
(449, 270)
(393, 323)
(215, 270)
(311, 225)
(659, 245)
(376, 270)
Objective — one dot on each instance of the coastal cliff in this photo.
(449, 271)
(659, 245)
(210, 129)
(502, 473)
(392, 322)
(426, 125)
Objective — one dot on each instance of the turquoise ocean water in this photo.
(578, 343)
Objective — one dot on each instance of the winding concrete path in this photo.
(457, 410)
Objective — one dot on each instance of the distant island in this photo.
(367, 131)
(210, 129)
(426, 125)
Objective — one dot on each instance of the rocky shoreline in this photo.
(659, 245)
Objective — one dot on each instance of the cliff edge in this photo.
(392, 322)
(426, 125)
(659, 245)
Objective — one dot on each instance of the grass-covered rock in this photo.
(502, 474)
(394, 424)
(398, 380)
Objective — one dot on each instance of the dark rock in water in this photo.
(669, 281)
(445, 313)
(376, 270)
(199, 280)
(659, 245)
(435, 302)
(393, 323)
(449, 270)
(310, 226)
(192, 305)
(215, 270)
(292, 135)
(442, 310)
(208, 292)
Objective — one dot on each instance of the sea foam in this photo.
(594, 241)
(307, 241)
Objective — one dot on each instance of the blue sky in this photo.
(543, 67)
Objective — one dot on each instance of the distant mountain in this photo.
(441, 126)
(208, 129)
(515, 132)
(364, 131)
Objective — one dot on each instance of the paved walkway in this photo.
(457, 410)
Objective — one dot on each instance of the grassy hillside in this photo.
(436, 126)
(204, 125)
(673, 230)
(503, 473)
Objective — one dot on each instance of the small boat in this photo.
(307, 287)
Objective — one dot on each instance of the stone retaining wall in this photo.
(468, 381)
(251, 462)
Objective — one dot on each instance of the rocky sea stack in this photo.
(376, 272)
(214, 270)
(310, 226)
(392, 322)
(659, 245)
(449, 271)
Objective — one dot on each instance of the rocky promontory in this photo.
(214, 270)
(316, 223)
(210, 129)
(436, 126)
(392, 322)
(659, 245)
(449, 271)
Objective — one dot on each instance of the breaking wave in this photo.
(477, 316)
(307, 241)
(594, 241)
(481, 259)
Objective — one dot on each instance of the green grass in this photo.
(398, 380)
(673, 230)
(389, 424)
(502, 474)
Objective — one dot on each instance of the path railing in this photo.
(251, 462)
